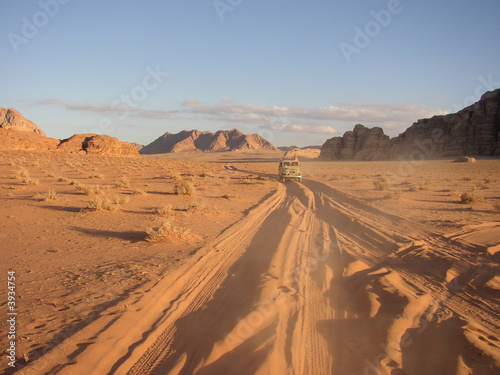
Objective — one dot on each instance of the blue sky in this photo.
(296, 72)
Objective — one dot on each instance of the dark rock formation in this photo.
(97, 145)
(472, 131)
(194, 140)
(360, 144)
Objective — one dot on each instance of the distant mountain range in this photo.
(472, 131)
(195, 140)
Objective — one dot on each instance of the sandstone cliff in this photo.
(360, 144)
(11, 119)
(472, 131)
(195, 140)
(475, 130)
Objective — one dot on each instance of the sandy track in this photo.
(311, 281)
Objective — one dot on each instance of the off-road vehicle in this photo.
(289, 170)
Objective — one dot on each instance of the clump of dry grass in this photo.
(164, 210)
(184, 188)
(380, 185)
(496, 206)
(123, 183)
(196, 205)
(139, 192)
(466, 198)
(22, 174)
(100, 204)
(31, 181)
(106, 204)
(51, 195)
(393, 195)
(88, 189)
(164, 230)
(467, 178)
(98, 176)
(51, 174)
(62, 179)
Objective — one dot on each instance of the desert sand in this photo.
(363, 268)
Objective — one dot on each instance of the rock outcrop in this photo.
(12, 119)
(360, 144)
(94, 144)
(195, 140)
(474, 130)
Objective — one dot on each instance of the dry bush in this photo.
(176, 176)
(393, 195)
(496, 206)
(467, 179)
(196, 205)
(98, 176)
(120, 200)
(88, 189)
(22, 174)
(184, 188)
(164, 210)
(51, 174)
(31, 181)
(51, 195)
(164, 230)
(380, 185)
(99, 204)
(139, 192)
(123, 183)
(484, 186)
(470, 198)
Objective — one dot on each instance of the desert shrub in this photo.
(496, 206)
(393, 195)
(196, 205)
(470, 198)
(22, 174)
(139, 192)
(120, 200)
(483, 186)
(89, 189)
(164, 210)
(164, 230)
(98, 176)
(123, 183)
(380, 185)
(51, 174)
(467, 178)
(184, 188)
(99, 204)
(31, 181)
(51, 195)
(176, 176)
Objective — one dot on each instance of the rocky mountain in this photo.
(475, 130)
(12, 119)
(195, 140)
(17, 133)
(362, 143)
